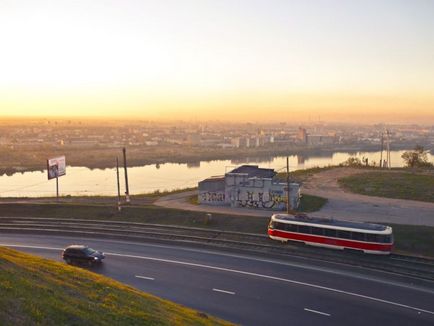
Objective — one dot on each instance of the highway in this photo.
(254, 290)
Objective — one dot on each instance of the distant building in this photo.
(241, 142)
(235, 142)
(302, 135)
(245, 142)
(248, 186)
(317, 140)
(193, 139)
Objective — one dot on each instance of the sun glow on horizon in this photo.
(202, 59)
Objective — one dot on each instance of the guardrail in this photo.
(141, 232)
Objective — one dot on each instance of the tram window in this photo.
(317, 231)
(344, 234)
(384, 238)
(291, 227)
(303, 229)
(358, 236)
(330, 233)
(279, 226)
(372, 237)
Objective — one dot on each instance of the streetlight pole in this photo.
(127, 190)
(288, 205)
(119, 187)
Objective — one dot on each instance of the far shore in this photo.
(138, 157)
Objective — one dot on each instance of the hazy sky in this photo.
(218, 59)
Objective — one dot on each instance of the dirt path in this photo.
(341, 205)
(349, 206)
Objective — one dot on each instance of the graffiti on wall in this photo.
(211, 197)
(276, 200)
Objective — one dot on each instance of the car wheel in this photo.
(68, 261)
(89, 263)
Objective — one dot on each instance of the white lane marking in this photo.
(317, 312)
(223, 291)
(272, 261)
(252, 274)
(145, 277)
(276, 279)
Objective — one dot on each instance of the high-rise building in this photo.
(302, 135)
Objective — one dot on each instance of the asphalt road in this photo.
(254, 290)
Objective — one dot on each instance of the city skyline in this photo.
(253, 60)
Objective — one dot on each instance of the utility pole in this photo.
(389, 165)
(381, 155)
(119, 187)
(57, 186)
(57, 181)
(288, 205)
(127, 190)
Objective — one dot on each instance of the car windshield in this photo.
(89, 251)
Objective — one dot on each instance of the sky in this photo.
(220, 60)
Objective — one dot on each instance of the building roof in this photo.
(331, 222)
(254, 171)
(214, 178)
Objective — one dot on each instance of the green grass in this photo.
(37, 291)
(310, 203)
(413, 239)
(144, 214)
(147, 198)
(193, 200)
(158, 193)
(304, 174)
(401, 185)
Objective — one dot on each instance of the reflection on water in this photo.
(168, 176)
(193, 165)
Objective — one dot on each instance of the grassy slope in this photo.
(311, 203)
(414, 240)
(144, 214)
(401, 185)
(40, 291)
(303, 174)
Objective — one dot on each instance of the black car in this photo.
(82, 254)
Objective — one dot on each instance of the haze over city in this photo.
(367, 61)
(225, 162)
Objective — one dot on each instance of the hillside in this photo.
(39, 291)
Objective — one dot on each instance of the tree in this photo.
(353, 161)
(416, 158)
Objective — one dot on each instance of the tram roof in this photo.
(331, 222)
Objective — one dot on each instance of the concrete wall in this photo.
(270, 196)
(237, 190)
(212, 192)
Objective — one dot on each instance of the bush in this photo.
(352, 161)
(417, 158)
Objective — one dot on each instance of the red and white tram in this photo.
(366, 237)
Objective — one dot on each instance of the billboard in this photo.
(56, 167)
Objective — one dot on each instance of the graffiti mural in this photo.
(276, 200)
(212, 197)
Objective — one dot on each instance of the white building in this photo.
(248, 186)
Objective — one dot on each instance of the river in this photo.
(82, 181)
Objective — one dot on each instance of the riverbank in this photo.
(31, 159)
